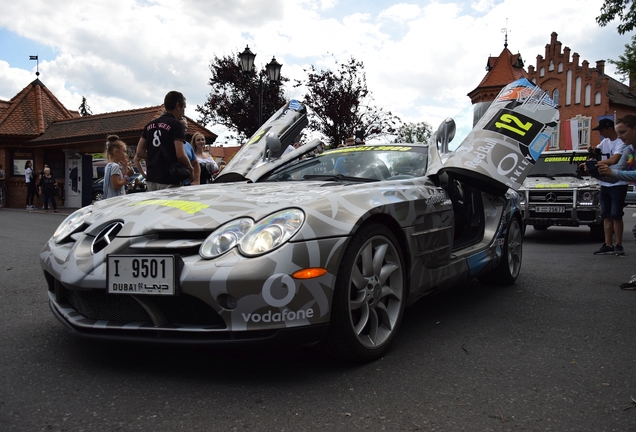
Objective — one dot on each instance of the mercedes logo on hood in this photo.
(106, 236)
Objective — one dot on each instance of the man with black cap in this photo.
(612, 194)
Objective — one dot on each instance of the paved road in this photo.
(554, 352)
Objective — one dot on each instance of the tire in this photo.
(508, 269)
(97, 196)
(369, 297)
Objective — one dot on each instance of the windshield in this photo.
(563, 164)
(363, 163)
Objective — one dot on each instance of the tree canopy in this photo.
(341, 104)
(414, 133)
(624, 10)
(626, 63)
(234, 97)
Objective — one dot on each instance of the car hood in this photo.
(331, 207)
(559, 182)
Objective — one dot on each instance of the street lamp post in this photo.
(273, 75)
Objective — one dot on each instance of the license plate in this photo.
(550, 209)
(141, 274)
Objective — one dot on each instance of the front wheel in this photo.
(509, 267)
(369, 296)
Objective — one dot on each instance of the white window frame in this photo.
(577, 91)
(554, 138)
(588, 94)
(597, 98)
(584, 130)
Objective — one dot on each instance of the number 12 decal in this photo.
(515, 125)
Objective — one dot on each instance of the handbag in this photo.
(56, 190)
(177, 172)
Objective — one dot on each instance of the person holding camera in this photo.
(612, 193)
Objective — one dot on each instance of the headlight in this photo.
(225, 238)
(272, 232)
(522, 198)
(71, 223)
(587, 197)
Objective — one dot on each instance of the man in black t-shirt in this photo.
(163, 136)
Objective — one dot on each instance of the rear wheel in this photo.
(369, 296)
(508, 269)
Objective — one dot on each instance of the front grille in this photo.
(183, 309)
(551, 197)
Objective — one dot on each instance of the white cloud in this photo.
(421, 57)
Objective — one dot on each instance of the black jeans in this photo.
(45, 200)
(30, 192)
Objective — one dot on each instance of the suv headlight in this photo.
(587, 197)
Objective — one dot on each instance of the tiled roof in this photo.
(32, 111)
(619, 93)
(502, 70)
(98, 126)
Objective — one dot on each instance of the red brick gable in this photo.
(32, 111)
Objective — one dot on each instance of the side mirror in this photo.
(272, 147)
(445, 134)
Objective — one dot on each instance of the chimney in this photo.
(600, 66)
(575, 59)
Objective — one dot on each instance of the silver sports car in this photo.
(304, 246)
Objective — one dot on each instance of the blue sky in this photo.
(421, 57)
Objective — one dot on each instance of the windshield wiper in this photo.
(338, 177)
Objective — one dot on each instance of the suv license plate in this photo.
(550, 209)
(141, 274)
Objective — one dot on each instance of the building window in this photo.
(597, 98)
(577, 91)
(568, 88)
(588, 94)
(584, 130)
(554, 138)
(541, 72)
(534, 81)
(551, 67)
(560, 68)
(555, 96)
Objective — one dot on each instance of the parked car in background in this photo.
(98, 189)
(557, 192)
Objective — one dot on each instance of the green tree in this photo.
(625, 10)
(341, 104)
(414, 133)
(84, 109)
(626, 63)
(233, 98)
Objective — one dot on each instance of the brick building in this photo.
(34, 125)
(584, 94)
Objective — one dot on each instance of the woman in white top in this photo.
(207, 163)
(30, 184)
(115, 180)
